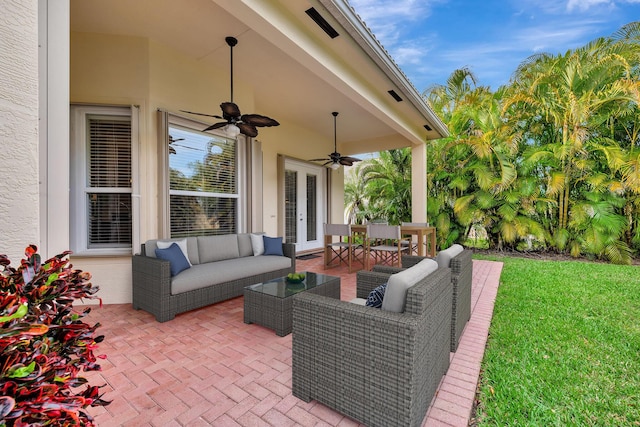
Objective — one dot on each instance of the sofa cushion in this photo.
(218, 248)
(376, 296)
(257, 244)
(177, 261)
(395, 295)
(444, 257)
(214, 273)
(273, 246)
(244, 244)
(150, 247)
(182, 244)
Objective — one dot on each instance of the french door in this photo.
(304, 204)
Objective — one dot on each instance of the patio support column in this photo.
(54, 75)
(419, 183)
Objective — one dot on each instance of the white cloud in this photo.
(383, 10)
(584, 5)
(388, 18)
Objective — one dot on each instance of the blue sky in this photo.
(429, 39)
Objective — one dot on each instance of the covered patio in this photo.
(207, 367)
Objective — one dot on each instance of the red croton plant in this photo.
(44, 344)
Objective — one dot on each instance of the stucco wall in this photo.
(19, 217)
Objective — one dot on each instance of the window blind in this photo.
(203, 183)
(109, 181)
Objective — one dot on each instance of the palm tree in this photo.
(355, 196)
(387, 180)
(570, 98)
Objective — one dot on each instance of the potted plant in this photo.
(44, 344)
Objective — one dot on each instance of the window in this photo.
(204, 189)
(102, 210)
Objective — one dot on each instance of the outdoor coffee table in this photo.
(270, 304)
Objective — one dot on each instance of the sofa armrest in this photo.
(154, 272)
(152, 287)
(289, 250)
(462, 263)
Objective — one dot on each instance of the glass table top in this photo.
(281, 288)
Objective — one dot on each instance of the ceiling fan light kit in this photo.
(232, 131)
(335, 159)
(234, 122)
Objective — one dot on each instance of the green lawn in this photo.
(564, 346)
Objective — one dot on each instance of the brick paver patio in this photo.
(207, 367)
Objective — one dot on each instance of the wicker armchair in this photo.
(378, 367)
(461, 275)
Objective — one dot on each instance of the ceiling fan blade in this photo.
(318, 160)
(201, 114)
(230, 110)
(350, 159)
(215, 126)
(259, 120)
(247, 129)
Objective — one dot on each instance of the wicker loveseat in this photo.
(461, 276)
(379, 367)
(221, 266)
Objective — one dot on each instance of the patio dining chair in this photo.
(414, 245)
(337, 251)
(385, 244)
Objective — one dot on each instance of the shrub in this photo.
(44, 344)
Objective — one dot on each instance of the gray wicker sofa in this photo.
(461, 277)
(379, 367)
(221, 266)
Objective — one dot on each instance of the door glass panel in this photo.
(291, 205)
(312, 207)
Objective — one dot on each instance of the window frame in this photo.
(165, 121)
(79, 171)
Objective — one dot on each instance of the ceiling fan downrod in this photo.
(231, 41)
(335, 132)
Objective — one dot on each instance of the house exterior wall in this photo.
(122, 70)
(19, 205)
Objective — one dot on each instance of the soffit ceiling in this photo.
(287, 81)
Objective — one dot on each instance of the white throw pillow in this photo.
(395, 297)
(257, 243)
(444, 257)
(182, 244)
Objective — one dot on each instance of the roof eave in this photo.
(349, 19)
